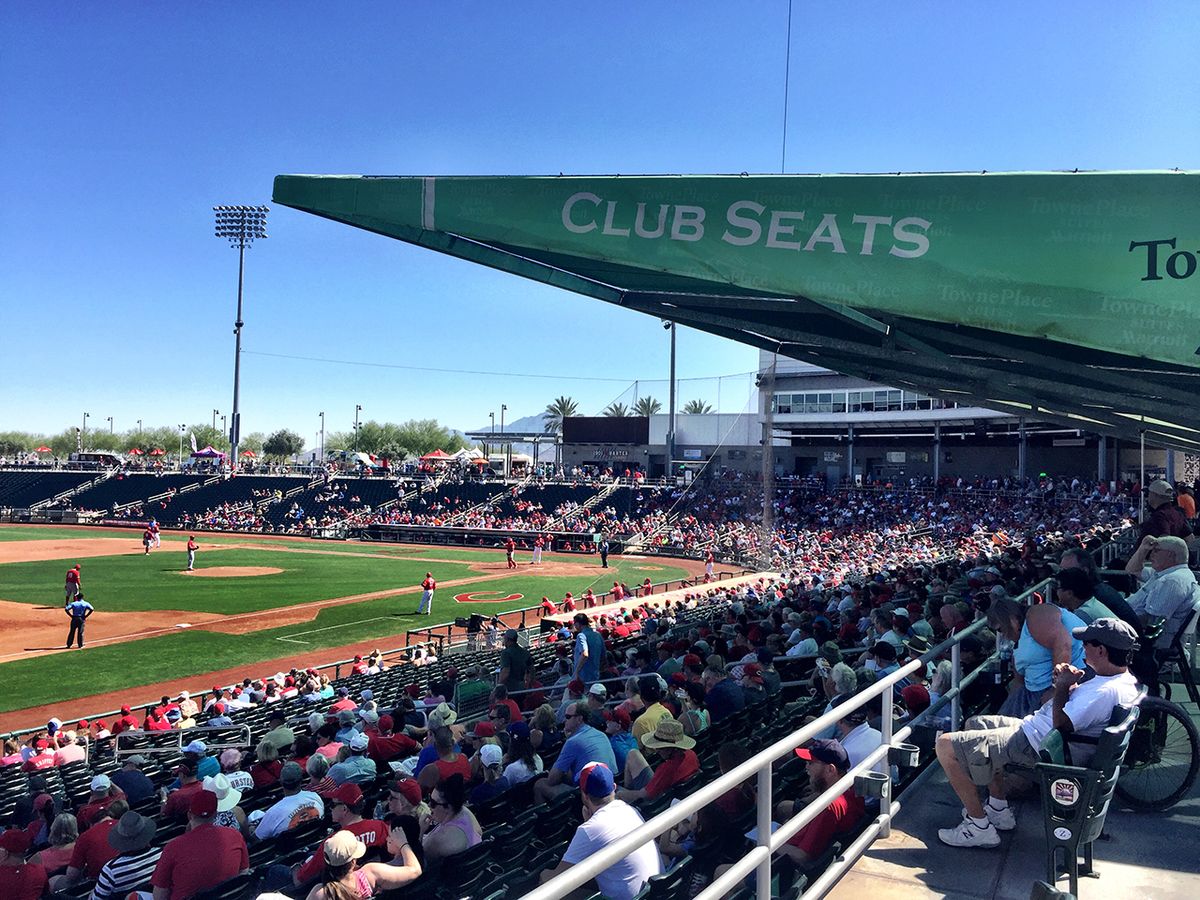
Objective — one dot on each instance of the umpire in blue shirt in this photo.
(79, 610)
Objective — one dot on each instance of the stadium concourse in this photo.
(670, 695)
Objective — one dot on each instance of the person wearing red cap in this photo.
(19, 880)
(386, 746)
(826, 762)
(428, 586)
(126, 722)
(346, 809)
(202, 857)
(548, 607)
(616, 725)
(74, 584)
(510, 548)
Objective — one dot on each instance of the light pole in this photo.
(83, 432)
(139, 421)
(492, 416)
(224, 425)
(241, 226)
(322, 415)
(507, 457)
(671, 425)
(216, 412)
(110, 424)
(182, 429)
(357, 410)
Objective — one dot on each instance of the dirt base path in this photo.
(77, 548)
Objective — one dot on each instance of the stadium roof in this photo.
(1068, 297)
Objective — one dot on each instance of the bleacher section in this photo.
(22, 489)
(130, 488)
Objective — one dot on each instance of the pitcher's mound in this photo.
(234, 571)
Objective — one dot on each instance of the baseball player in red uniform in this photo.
(147, 540)
(709, 559)
(510, 547)
(548, 608)
(428, 586)
(192, 547)
(538, 544)
(73, 585)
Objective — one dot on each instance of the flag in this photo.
(192, 435)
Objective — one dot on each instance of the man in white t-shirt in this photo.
(1081, 705)
(294, 808)
(606, 819)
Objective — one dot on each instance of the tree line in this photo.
(565, 407)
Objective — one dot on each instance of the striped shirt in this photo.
(125, 873)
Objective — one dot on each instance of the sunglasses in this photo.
(433, 802)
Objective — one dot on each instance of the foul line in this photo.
(290, 639)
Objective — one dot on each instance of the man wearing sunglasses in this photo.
(584, 744)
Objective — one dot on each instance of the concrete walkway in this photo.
(1155, 856)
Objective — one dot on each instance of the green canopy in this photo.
(1063, 296)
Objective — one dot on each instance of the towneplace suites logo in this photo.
(1163, 259)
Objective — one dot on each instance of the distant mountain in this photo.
(525, 423)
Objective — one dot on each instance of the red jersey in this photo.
(549, 608)
(539, 543)
(24, 882)
(93, 850)
(200, 859)
(371, 832)
(192, 545)
(72, 576)
(429, 583)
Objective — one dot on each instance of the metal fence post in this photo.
(885, 725)
(955, 678)
(765, 803)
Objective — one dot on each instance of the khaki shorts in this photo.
(988, 744)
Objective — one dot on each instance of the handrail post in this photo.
(765, 802)
(955, 678)
(885, 725)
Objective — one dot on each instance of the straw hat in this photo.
(227, 795)
(668, 735)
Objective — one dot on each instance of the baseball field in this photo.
(251, 602)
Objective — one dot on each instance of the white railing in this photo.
(758, 859)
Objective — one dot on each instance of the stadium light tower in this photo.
(216, 412)
(322, 415)
(83, 431)
(182, 429)
(241, 226)
(110, 424)
(357, 410)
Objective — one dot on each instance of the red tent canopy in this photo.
(157, 452)
(249, 453)
(436, 454)
(134, 451)
(43, 449)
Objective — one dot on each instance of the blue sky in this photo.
(124, 124)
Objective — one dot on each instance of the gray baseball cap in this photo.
(1108, 631)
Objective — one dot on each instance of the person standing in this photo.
(538, 543)
(428, 586)
(147, 540)
(78, 610)
(510, 548)
(156, 537)
(604, 553)
(709, 559)
(74, 585)
(192, 547)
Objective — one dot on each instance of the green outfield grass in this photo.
(138, 582)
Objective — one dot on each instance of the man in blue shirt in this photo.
(79, 610)
(584, 744)
(588, 650)
(725, 696)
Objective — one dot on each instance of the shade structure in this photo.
(44, 449)
(134, 451)
(436, 454)
(1066, 296)
(208, 452)
(250, 454)
(157, 451)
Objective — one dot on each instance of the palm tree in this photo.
(647, 406)
(696, 408)
(615, 411)
(561, 408)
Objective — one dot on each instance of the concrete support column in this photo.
(1022, 450)
(1171, 466)
(1102, 458)
(850, 456)
(937, 451)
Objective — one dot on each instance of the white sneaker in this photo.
(968, 834)
(1003, 819)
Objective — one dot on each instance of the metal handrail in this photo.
(759, 858)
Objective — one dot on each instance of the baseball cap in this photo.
(598, 690)
(137, 760)
(345, 717)
(368, 694)
(348, 794)
(408, 789)
(291, 773)
(490, 755)
(620, 715)
(386, 723)
(1108, 631)
(483, 728)
(276, 715)
(101, 783)
(358, 743)
(15, 840)
(343, 692)
(1161, 488)
(826, 751)
(369, 716)
(764, 655)
(218, 708)
(203, 805)
(341, 847)
(126, 709)
(596, 780)
(753, 671)
(519, 729)
(197, 747)
(576, 687)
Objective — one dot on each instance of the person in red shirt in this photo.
(92, 850)
(510, 548)
(155, 721)
(428, 586)
(568, 603)
(449, 761)
(177, 804)
(19, 880)
(500, 698)
(679, 761)
(385, 746)
(617, 593)
(589, 599)
(43, 757)
(103, 794)
(127, 721)
(548, 608)
(538, 544)
(343, 702)
(74, 584)
(346, 809)
(826, 762)
(202, 857)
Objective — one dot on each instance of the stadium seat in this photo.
(460, 873)
(240, 887)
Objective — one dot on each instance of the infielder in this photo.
(154, 533)
(538, 543)
(73, 585)
(429, 585)
(192, 547)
